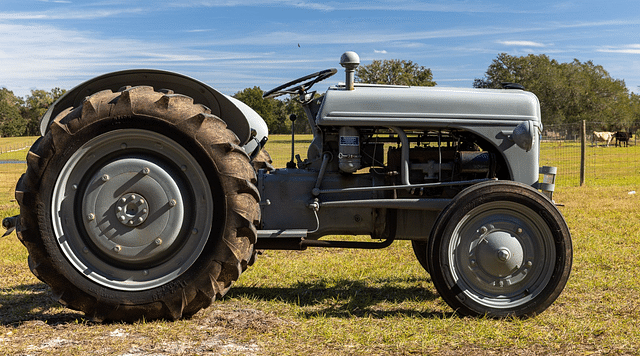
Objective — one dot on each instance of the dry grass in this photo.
(349, 302)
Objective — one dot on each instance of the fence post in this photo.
(583, 149)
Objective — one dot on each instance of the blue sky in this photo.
(235, 44)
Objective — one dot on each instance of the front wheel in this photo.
(500, 249)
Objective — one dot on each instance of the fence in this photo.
(613, 165)
(15, 147)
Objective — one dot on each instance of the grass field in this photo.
(349, 302)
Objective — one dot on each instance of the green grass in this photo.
(279, 147)
(351, 302)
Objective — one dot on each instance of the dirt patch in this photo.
(212, 332)
(256, 320)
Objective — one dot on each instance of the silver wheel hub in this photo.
(132, 210)
(498, 253)
(128, 225)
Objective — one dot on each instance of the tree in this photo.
(568, 92)
(275, 112)
(395, 72)
(267, 108)
(11, 123)
(36, 105)
(291, 105)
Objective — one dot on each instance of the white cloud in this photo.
(347, 36)
(628, 49)
(70, 14)
(255, 3)
(379, 51)
(450, 6)
(522, 43)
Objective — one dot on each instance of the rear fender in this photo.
(240, 118)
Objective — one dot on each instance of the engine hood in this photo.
(405, 106)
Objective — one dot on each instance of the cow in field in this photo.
(603, 136)
(622, 138)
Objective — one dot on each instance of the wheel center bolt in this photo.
(132, 209)
(504, 254)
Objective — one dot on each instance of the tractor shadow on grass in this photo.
(33, 302)
(352, 298)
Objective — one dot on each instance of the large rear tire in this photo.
(138, 204)
(500, 249)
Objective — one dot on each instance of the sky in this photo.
(237, 44)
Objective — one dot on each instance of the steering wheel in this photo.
(293, 87)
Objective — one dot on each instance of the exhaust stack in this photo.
(350, 61)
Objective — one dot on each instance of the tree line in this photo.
(568, 93)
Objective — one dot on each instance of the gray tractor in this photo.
(149, 192)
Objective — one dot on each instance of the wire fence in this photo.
(14, 147)
(616, 162)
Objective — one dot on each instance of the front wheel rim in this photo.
(501, 255)
(132, 210)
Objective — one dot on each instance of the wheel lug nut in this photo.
(173, 203)
(105, 177)
(117, 248)
(158, 241)
(483, 230)
(519, 230)
(91, 216)
(146, 170)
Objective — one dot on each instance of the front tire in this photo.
(500, 249)
(138, 204)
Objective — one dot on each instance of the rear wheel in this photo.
(138, 204)
(500, 249)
